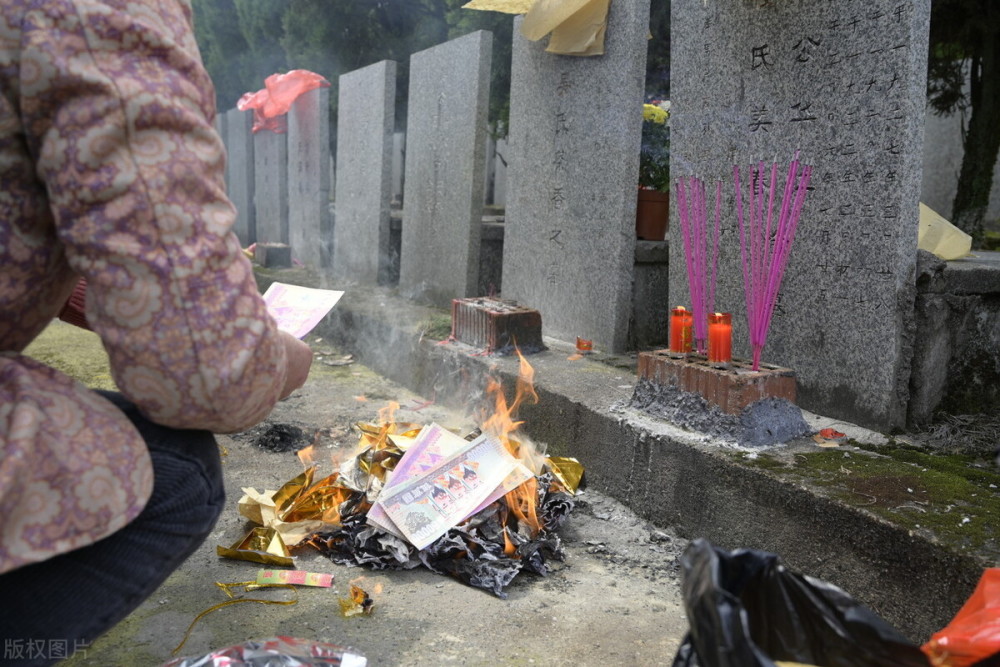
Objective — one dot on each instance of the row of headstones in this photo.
(280, 183)
(841, 81)
(569, 237)
(261, 170)
(445, 179)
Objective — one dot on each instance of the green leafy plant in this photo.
(654, 155)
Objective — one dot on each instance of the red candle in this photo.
(680, 330)
(720, 338)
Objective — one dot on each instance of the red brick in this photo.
(496, 324)
(730, 389)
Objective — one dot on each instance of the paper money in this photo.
(433, 445)
(298, 310)
(441, 495)
(518, 476)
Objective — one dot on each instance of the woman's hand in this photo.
(299, 357)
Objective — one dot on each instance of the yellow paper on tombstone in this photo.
(577, 26)
(582, 34)
(940, 237)
(505, 6)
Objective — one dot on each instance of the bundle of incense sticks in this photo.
(765, 255)
(694, 229)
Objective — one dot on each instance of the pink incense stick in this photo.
(702, 272)
(765, 256)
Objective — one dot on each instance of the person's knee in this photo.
(188, 487)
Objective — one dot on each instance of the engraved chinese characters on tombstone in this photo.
(842, 80)
(575, 125)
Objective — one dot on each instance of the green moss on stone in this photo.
(948, 496)
(437, 327)
(762, 461)
(973, 387)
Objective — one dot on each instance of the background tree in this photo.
(658, 54)
(965, 45)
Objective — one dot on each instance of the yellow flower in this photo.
(654, 113)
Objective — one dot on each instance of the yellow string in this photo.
(248, 586)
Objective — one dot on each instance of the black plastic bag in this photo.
(745, 609)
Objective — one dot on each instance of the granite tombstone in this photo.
(310, 232)
(844, 83)
(445, 138)
(575, 128)
(240, 184)
(365, 120)
(270, 152)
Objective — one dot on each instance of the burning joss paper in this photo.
(357, 604)
(425, 507)
(481, 508)
(488, 550)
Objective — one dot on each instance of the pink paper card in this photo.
(297, 309)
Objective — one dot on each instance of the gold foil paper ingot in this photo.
(287, 494)
(261, 545)
(567, 470)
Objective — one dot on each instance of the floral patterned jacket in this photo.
(110, 169)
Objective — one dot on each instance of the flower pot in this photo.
(651, 214)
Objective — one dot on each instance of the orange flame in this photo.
(332, 514)
(306, 455)
(387, 415)
(501, 422)
(522, 500)
(523, 503)
(508, 546)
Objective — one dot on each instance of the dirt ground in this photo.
(615, 599)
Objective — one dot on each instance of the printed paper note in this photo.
(297, 309)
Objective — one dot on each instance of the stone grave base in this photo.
(273, 255)
(753, 408)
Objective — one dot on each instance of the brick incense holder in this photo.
(730, 389)
(496, 325)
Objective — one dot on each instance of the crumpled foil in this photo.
(276, 652)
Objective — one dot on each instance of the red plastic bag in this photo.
(273, 101)
(974, 633)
